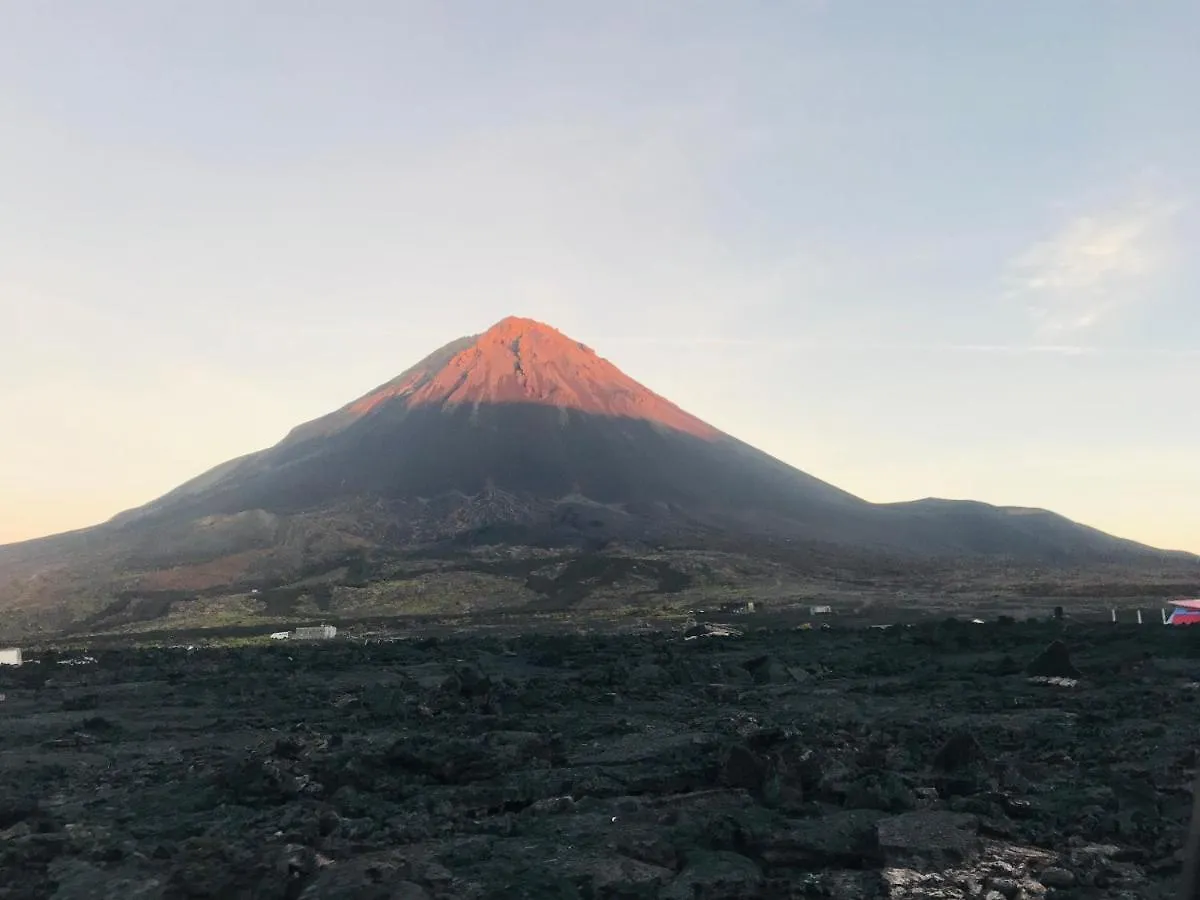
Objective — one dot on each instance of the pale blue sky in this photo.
(914, 248)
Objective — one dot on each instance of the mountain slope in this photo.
(523, 409)
(520, 435)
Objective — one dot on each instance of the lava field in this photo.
(937, 761)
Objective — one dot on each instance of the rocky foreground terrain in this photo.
(910, 763)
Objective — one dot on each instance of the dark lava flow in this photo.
(915, 762)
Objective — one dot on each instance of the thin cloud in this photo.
(1021, 349)
(1067, 350)
(864, 347)
(1093, 266)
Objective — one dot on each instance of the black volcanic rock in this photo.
(1053, 662)
(961, 751)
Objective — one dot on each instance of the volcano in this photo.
(519, 436)
(525, 411)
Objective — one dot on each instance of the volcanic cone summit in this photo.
(521, 361)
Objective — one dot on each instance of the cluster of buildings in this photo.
(13, 656)
(737, 608)
(1182, 611)
(1185, 611)
(307, 633)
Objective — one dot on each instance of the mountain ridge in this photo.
(520, 434)
(519, 366)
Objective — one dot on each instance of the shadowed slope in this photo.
(523, 448)
(521, 408)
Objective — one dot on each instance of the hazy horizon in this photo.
(914, 250)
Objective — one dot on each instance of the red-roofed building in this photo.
(1186, 612)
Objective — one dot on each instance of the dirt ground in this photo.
(917, 762)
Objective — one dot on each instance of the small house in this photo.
(315, 633)
(11, 656)
(1186, 612)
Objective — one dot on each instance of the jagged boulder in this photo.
(1053, 662)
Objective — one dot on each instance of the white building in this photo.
(820, 610)
(315, 633)
(11, 656)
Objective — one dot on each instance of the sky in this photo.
(914, 248)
